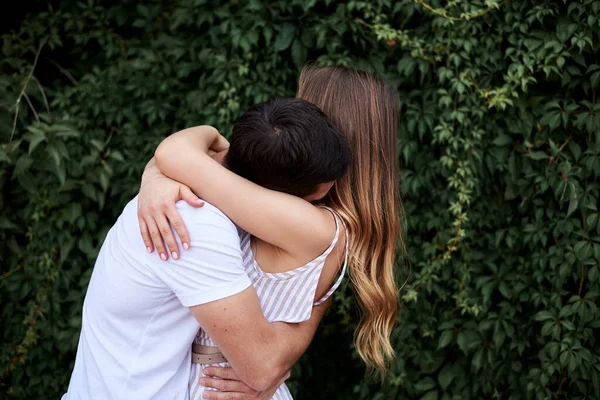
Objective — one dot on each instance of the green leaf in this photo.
(425, 384)
(537, 155)
(544, 316)
(64, 131)
(53, 152)
(116, 155)
(27, 182)
(502, 140)
(477, 361)
(61, 173)
(37, 137)
(461, 340)
(285, 37)
(22, 165)
(573, 203)
(445, 338)
(104, 180)
(595, 79)
(89, 191)
(299, 53)
(5, 223)
(432, 395)
(575, 150)
(446, 375)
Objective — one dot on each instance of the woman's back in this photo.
(286, 294)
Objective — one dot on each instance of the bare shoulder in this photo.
(313, 245)
(275, 259)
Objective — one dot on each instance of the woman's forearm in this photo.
(151, 171)
(294, 225)
(194, 141)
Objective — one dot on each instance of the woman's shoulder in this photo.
(325, 228)
(331, 224)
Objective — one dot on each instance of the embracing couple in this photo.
(306, 189)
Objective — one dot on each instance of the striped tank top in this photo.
(284, 296)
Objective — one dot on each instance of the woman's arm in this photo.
(283, 220)
(157, 212)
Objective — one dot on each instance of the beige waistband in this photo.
(206, 355)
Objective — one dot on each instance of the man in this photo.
(141, 315)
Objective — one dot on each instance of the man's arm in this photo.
(261, 353)
(227, 383)
(210, 279)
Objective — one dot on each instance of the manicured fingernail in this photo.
(174, 255)
(163, 256)
(186, 246)
(149, 249)
(203, 382)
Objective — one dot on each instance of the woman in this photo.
(365, 109)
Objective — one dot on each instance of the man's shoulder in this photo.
(205, 215)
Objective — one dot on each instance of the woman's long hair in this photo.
(365, 109)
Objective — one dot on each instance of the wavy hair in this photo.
(365, 109)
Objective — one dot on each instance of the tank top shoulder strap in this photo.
(338, 281)
(321, 259)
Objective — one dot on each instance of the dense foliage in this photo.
(500, 173)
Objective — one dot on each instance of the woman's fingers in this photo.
(157, 239)
(166, 232)
(145, 234)
(189, 197)
(180, 229)
(225, 385)
(221, 372)
(213, 395)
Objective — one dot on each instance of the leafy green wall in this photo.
(500, 160)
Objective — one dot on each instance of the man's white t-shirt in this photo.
(137, 329)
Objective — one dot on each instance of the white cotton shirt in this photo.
(137, 328)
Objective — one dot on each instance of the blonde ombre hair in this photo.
(365, 109)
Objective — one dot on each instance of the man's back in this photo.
(137, 327)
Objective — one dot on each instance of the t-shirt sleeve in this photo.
(212, 268)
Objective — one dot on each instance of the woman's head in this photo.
(365, 109)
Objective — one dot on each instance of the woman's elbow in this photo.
(163, 154)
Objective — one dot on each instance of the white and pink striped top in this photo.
(284, 296)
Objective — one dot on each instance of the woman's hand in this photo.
(157, 212)
(230, 387)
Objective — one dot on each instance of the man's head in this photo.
(288, 145)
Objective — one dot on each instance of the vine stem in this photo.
(443, 13)
(363, 22)
(65, 73)
(35, 114)
(560, 149)
(581, 280)
(562, 382)
(484, 93)
(9, 273)
(37, 82)
(37, 56)
(15, 359)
